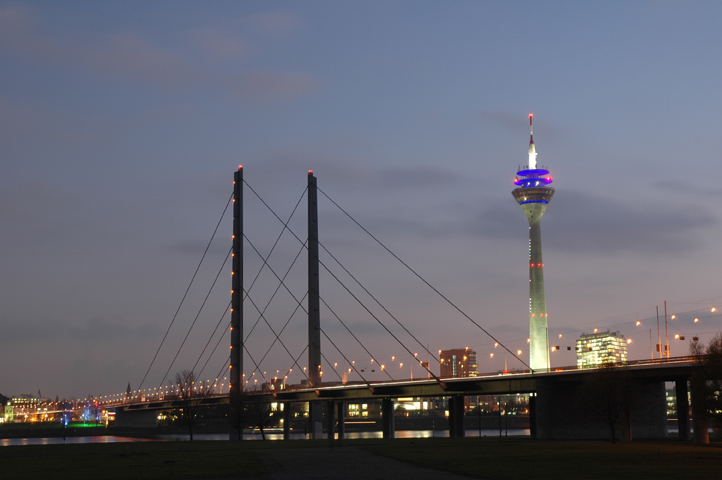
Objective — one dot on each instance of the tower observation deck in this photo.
(533, 194)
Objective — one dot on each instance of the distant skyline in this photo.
(121, 125)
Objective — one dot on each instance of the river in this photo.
(246, 436)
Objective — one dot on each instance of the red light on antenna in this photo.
(240, 167)
(531, 115)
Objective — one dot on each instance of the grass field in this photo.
(524, 458)
(494, 459)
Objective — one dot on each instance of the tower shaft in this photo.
(538, 328)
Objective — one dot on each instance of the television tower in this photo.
(533, 195)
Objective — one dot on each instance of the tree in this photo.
(607, 394)
(706, 381)
(187, 398)
(258, 413)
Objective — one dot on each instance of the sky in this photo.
(121, 124)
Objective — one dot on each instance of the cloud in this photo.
(582, 223)
(269, 85)
(129, 55)
(356, 174)
(218, 44)
(678, 186)
(94, 329)
(276, 22)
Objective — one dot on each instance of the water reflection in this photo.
(246, 436)
(4, 442)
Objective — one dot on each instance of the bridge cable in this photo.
(285, 227)
(354, 336)
(374, 316)
(186, 293)
(228, 255)
(329, 363)
(335, 277)
(295, 361)
(281, 331)
(272, 330)
(254, 362)
(352, 365)
(211, 338)
(280, 284)
(261, 313)
(213, 352)
(424, 280)
(381, 305)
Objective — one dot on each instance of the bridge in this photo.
(553, 413)
(553, 394)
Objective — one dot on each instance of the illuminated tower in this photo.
(533, 195)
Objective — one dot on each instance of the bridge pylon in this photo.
(314, 313)
(235, 414)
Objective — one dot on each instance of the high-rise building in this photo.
(533, 195)
(597, 349)
(458, 362)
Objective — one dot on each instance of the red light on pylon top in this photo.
(310, 172)
(240, 167)
(531, 115)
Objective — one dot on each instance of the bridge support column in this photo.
(315, 424)
(699, 412)
(287, 421)
(682, 394)
(532, 415)
(330, 420)
(456, 416)
(341, 414)
(387, 417)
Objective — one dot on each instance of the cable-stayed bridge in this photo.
(242, 371)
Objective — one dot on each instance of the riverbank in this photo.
(490, 458)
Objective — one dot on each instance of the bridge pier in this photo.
(561, 415)
(341, 414)
(287, 420)
(315, 423)
(699, 412)
(682, 393)
(532, 416)
(387, 418)
(330, 420)
(456, 416)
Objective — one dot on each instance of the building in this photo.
(458, 362)
(597, 349)
(533, 195)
